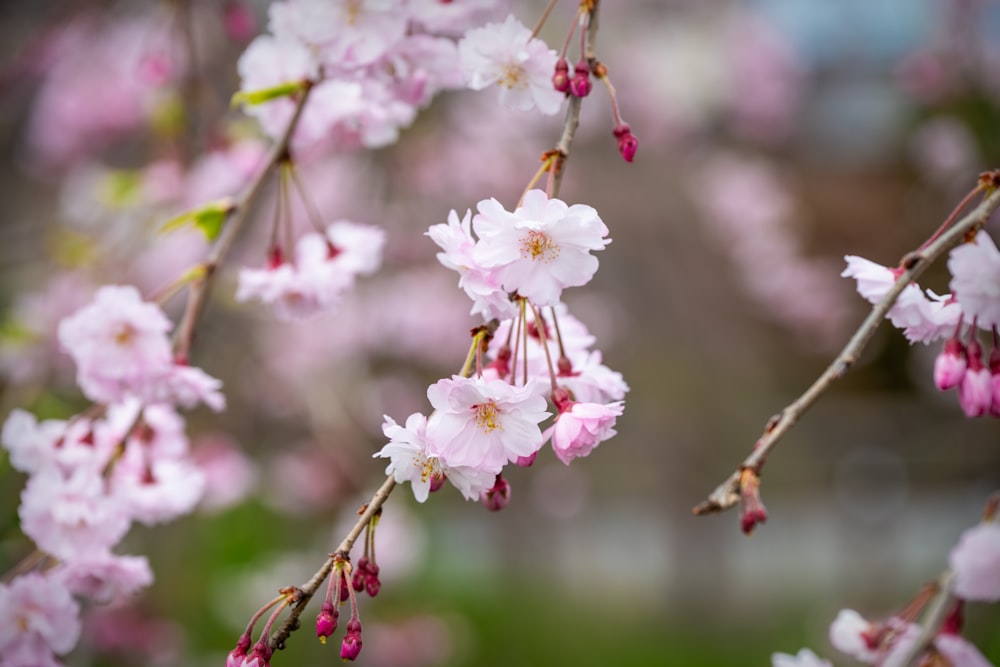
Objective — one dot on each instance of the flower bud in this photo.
(752, 511)
(975, 392)
(238, 654)
(627, 143)
(950, 365)
(351, 646)
(579, 85)
(372, 583)
(560, 80)
(497, 497)
(526, 461)
(326, 621)
(360, 574)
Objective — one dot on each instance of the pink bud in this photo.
(752, 511)
(360, 574)
(579, 85)
(351, 646)
(237, 655)
(950, 365)
(526, 461)
(995, 373)
(975, 392)
(326, 621)
(561, 399)
(627, 143)
(560, 80)
(372, 583)
(498, 497)
(437, 481)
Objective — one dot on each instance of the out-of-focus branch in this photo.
(307, 590)
(237, 216)
(930, 626)
(727, 494)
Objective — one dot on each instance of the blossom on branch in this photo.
(484, 424)
(505, 54)
(975, 560)
(38, 618)
(975, 270)
(540, 248)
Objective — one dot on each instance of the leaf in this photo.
(255, 97)
(209, 218)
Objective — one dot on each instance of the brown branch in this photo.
(308, 589)
(726, 495)
(201, 289)
(573, 111)
(931, 624)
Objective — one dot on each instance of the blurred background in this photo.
(775, 137)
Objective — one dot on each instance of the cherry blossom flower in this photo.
(957, 650)
(453, 18)
(346, 33)
(483, 424)
(507, 55)
(541, 248)
(950, 365)
(480, 284)
(850, 632)
(975, 560)
(580, 427)
(38, 617)
(804, 658)
(409, 461)
(104, 576)
(116, 341)
(31, 444)
(71, 516)
(975, 270)
(922, 320)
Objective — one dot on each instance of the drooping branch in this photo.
(236, 217)
(727, 494)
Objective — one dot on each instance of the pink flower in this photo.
(923, 320)
(540, 248)
(483, 424)
(31, 444)
(409, 461)
(950, 365)
(355, 248)
(453, 18)
(975, 391)
(957, 650)
(850, 633)
(480, 284)
(505, 54)
(975, 560)
(975, 270)
(105, 576)
(117, 341)
(580, 427)
(38, 617)
(71, 516)
(804, 658)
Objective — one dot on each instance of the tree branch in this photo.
(727, 494)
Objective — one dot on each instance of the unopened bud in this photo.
(752, 510)
(350, 648)
(238, 654)
(326, 621)
(560, 80)
(579, 85)
(372, 583)
(360, 574)
(975, 392)
(497, 497)
(526, 461)
(950, 365)
(627, 143)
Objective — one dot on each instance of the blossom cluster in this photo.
(90, 477)
(372, 65)
(973, 304)
(514, 268)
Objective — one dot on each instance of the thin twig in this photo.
(929, 627)
(307, 590)
(726, 495)
(573, 110)
(201, 289)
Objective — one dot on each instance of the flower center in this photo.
(488, 416)
(428, 467)
(512, 76)
(538, 247)
(124, 334)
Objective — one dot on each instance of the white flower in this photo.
(975, 270)
(409, 461)
(540, 248)
(847, 634)
(505, 54)
(975, 560)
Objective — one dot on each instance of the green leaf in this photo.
(255, 97)
(209, 219)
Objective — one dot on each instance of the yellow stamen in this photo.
(488, 416)
(538, 246)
